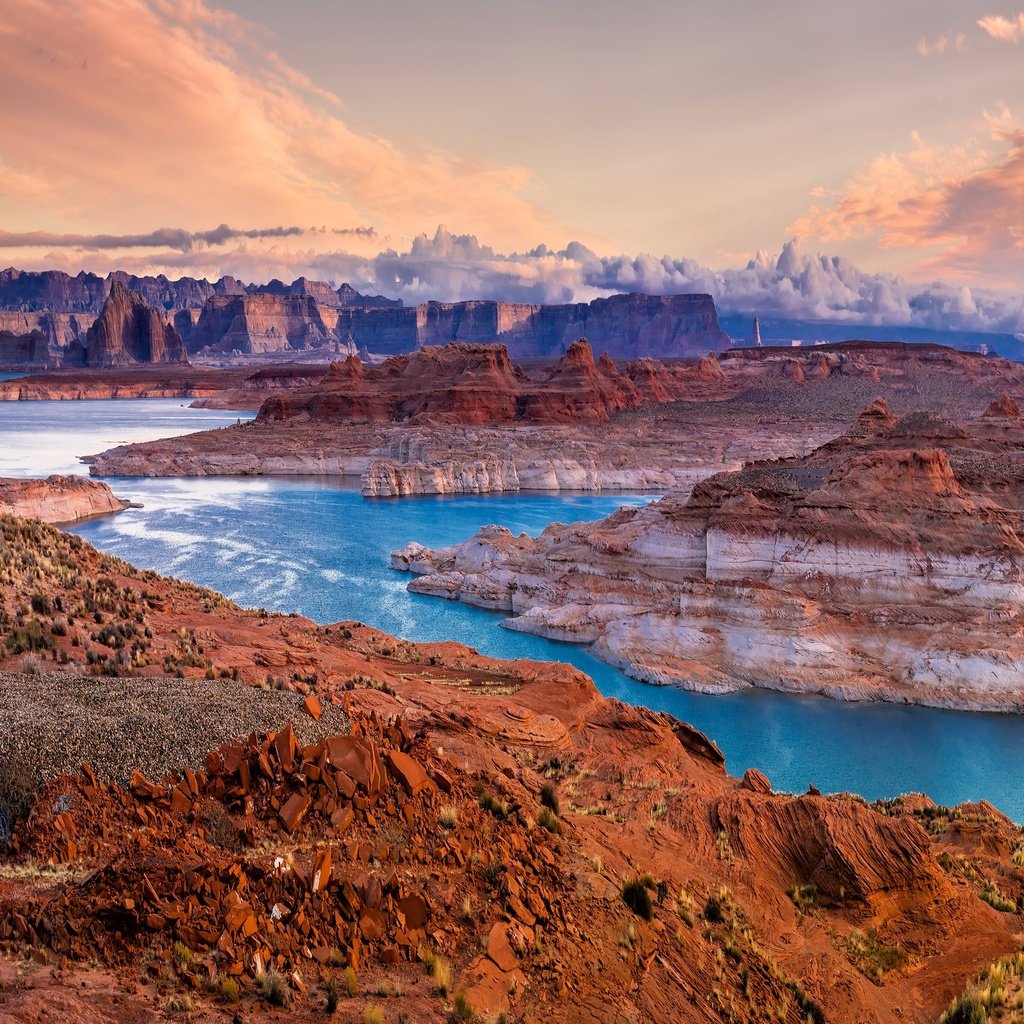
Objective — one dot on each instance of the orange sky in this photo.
(888, 133)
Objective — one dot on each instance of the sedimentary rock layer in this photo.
(625, 326)
(886, 565)
(463, 384)
(23, 350)
(57, 499)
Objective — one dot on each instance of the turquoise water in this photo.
(314, 547)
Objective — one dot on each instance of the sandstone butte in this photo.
(462, 844)
(129, 330)
(57, 499)
(888, 564)
(464, 419)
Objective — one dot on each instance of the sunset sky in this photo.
(325, 134)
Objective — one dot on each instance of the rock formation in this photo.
(63, 308)
(259, 323)
(462, 383)
(692, 419)
(885, 565)
(626, 326)
(129, 331)
(57, 499)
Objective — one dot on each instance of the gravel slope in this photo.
(51, 724)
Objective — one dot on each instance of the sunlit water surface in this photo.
(318, 548)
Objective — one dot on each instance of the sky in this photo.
(817, 159)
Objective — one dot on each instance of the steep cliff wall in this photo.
(624, 326)
(59, 329)
(386, 331)
(887, 564)
(129, 331)
(262, 322)
(57, 499)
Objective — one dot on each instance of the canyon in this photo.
(425, 829)
(886, 564)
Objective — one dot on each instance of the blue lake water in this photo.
(317, 548)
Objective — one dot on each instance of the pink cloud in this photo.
(959, 208)
(1006, 30)
(143, 112)
(936, 47)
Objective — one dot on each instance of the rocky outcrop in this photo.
(60, 330)
(57, 499)
(64, 307)
(626, 326)
(886, 565)
(130, 331)
(477, 384)
(166, 380)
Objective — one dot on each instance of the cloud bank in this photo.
(173, 238)
(1006, 30)
(792, 283)
(959, 208)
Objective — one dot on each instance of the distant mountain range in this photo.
(46, 316)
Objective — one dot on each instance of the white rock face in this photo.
(58, 499)
(719, 609)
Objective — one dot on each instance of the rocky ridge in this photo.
(478, 384)
(484, 836)
(887, 564)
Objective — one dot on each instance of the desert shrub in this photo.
(461, 1010)
(228, 990)
(331, 991)
(713, 910)
(549, 796)
(636, 895)
(350, 982)
(274, 988)
(440, 970)
(549, 820)
(873, 957)
(373, 1015)
(804, 897)
(490, 803)
(994, 898)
